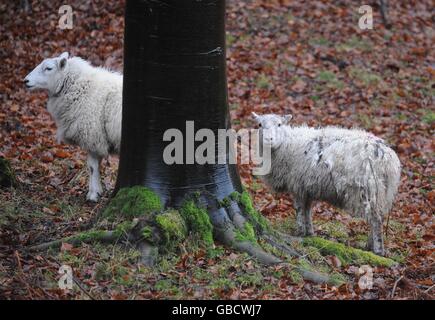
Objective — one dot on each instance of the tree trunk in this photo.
(174, 71)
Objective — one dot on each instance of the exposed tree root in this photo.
(233, 222)
(317, 277)
(100, 236)
(281, 246)
(253, 250)
(148, 253)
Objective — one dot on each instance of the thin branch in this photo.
(105, 236)
(395, 286)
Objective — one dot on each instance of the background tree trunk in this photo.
(174, 71)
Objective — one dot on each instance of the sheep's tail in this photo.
(383, 177)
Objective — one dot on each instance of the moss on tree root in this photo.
(82, 237)
(172, 226)
(245, 201)
(346, 254)
(133, 202)
(136, 215)
(198, 221)
(247, 233)
(162, 228)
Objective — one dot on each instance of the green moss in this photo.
(198, 221)
(98, 235)
(74, 261)
(167, 286)
(296, 277)
(122, 276)
(147, 233)
(360, 240)
(337, 279)
(336, 230)
(133, 202)
(263, 82)
(224, 284)
(88, 236)
(304, 264)
(330, 79)
(173, 227)
(367, 78)
(250, 279)
(319, 41)
(247, 233)
(312, 253)
(225, 202)
(123, 228)
(215, 252)
(273, 250)
(244, 199)
(326, 76)
(400, 255)
(429, 117)
(347, 255)
(230, 39)
(7, 175)
(284, 225)
(355, 43)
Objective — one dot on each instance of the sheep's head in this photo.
(270, 126)
(49, 74)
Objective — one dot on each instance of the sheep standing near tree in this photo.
(86, 104)
(350, 169)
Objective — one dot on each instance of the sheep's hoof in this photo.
(93, 196)
(378, 251)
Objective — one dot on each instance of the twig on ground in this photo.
(395, 286)
(429, 289)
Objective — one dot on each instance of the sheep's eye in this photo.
(259, 125)
(279, 125)
(48, 69)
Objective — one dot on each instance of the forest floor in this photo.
(309, 59)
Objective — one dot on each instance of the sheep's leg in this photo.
(300, 217)
(308, 217)
(304, 218)
(375, 240)
(95, 188)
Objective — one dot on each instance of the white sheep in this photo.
(350, 169)
(86, 104)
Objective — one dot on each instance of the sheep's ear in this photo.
(255, 116)
(63, 58)
(64, 55)
(62, 63)
(287, 118)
